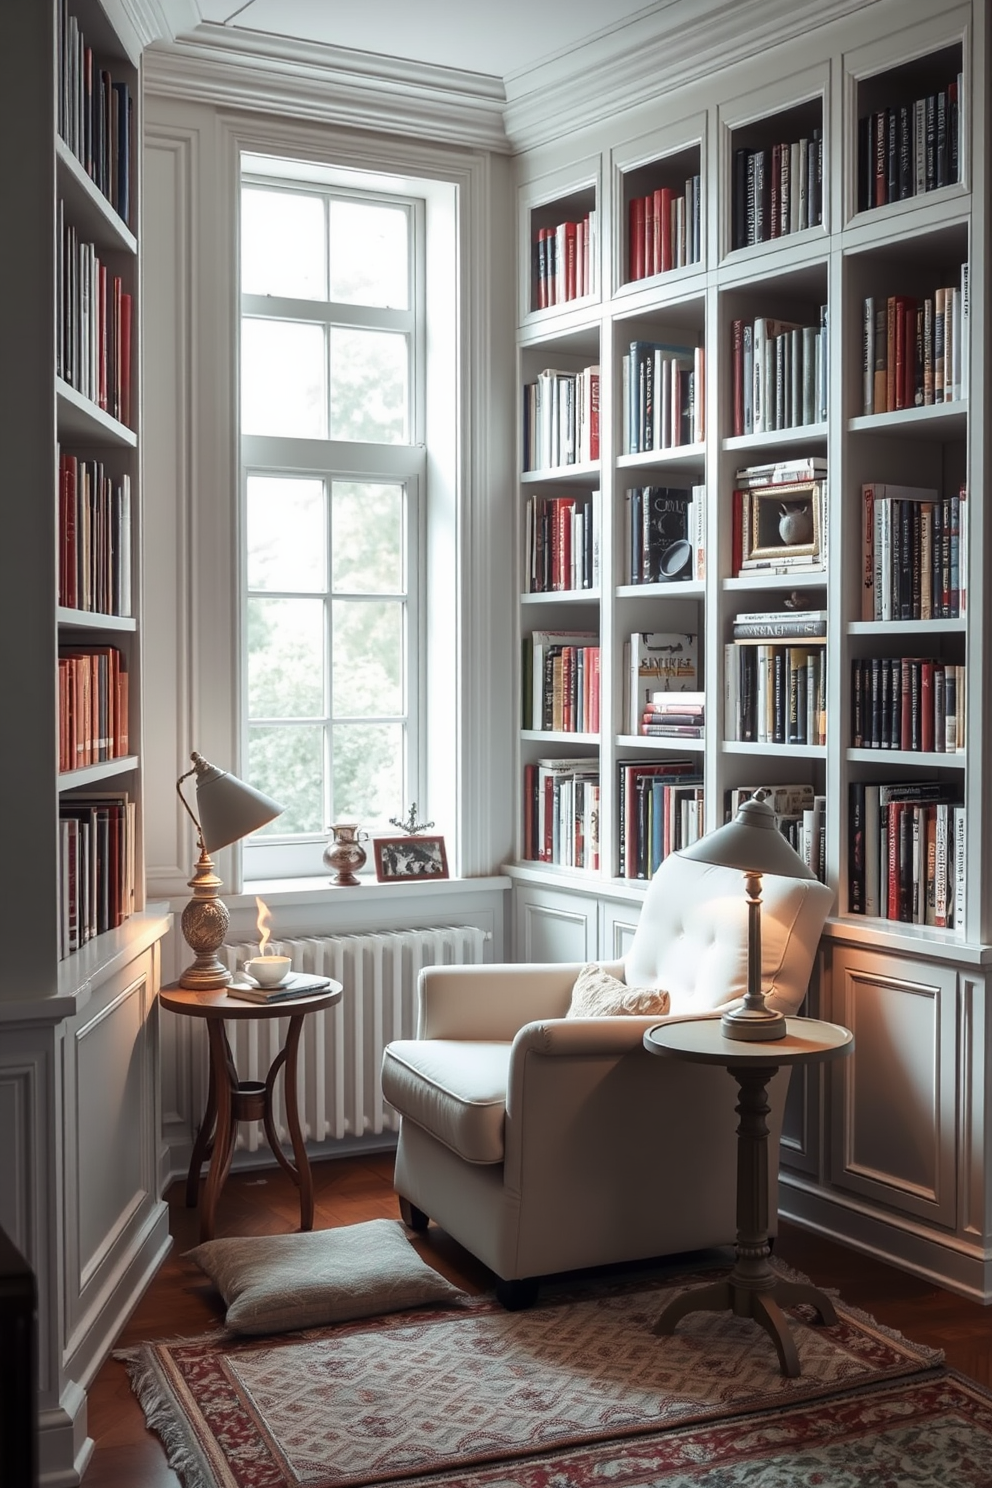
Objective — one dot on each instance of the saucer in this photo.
(267, 986)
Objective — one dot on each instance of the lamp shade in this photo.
(227, 808)
(751, 843)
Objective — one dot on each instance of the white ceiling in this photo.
(494, 37)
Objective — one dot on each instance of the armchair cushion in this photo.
(453, 1088)
(597, 994)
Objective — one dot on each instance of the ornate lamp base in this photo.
(205, 922)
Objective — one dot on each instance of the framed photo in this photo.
(403, 859)
(784, 522)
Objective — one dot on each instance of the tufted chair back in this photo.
(691, 938)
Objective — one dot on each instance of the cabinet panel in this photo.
(550, 926)
(894, 1099)
(617, 923)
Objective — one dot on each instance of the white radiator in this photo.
(341, 1047)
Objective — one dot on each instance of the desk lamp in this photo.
(753, 844)
(226, 810)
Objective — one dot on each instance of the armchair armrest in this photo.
(493, 1002)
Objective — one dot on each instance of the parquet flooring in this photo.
(180, 1302)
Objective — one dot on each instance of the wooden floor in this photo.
(180, 1302)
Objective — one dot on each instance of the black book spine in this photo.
(739, 223)
(879, 183)
(751, 198)
(856, 850)
(891, 155)
(864, 164)
(857, 704)
(780, 701)
(905, 559)
(936, 558)
(885, 725)
(913, 514)
(931, 141)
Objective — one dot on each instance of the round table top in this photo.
(224, 1002)
(703, 1041)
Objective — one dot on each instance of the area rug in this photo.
(407, 1396)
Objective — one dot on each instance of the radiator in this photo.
(341, 1047)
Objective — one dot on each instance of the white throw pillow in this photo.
(597, 994)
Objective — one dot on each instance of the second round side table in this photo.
(230, 1100)
(753, 1289)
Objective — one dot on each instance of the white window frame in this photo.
(271, 857)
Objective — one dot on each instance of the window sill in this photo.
(307, 891)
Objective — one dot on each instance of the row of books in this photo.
(561, 812)
(800, 815)
(564, 256)
(778, 190)
(93, 705)
(907, 853)
(908, 702)
(561, 682)
(915, 351)
(665, 534)
(775, 694)
(561, 419)
(93, 325)
(915, 553)
(779, 527)
(910, 148)
(561, 542)
(659, 809)
(95, 115)
(94, 537)
(658, 661)
(664, 230)
(778, 374)
(96, 865)
(674, 715)
(663, 396)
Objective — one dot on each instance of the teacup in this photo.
(268, 971)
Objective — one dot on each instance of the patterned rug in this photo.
(457, 1391)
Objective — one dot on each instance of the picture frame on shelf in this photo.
(409, 859)
(783, 523)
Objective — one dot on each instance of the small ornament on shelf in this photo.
(345, 853)
(410, 826)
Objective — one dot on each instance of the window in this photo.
(333, 503)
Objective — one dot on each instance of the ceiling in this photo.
(497, 38)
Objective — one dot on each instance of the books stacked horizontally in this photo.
(907, 852)
(779, 517)
(775, 678)
(910, 148)
(561, 419)
(799, 815)
(296, 984)
(658, 661)
(664, 396)
(665, 533)
(561, 812)
(664, 230)
(561, 681)
(779, 374)
(562, 542)
(777, 190)
(915, 551)
(908, 702)
(674, 715)
(915, 351)
(660, 809)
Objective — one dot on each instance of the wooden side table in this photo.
(753, 1289)
(230, 1100)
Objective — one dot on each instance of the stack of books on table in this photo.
(296, 984)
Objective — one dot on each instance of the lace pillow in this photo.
(596, 994)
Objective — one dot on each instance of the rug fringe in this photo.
(164, 1414)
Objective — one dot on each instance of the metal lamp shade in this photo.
(751, 843)
(227, 808)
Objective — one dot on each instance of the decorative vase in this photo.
(795, 524)
(344, 854)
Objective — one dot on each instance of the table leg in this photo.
(223, 1078)
(202, 1147)
(288, 1060)
(753, 1289)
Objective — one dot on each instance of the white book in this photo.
(964, 333)
(699, 531)
(960, 867)
(731, 692)
(942, 858)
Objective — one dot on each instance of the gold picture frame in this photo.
(772, 512)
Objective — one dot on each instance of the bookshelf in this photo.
(812, 277)
(77, 994)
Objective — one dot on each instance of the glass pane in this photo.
(288, 765)
(367, 537)
(369, 386)
(285, 658)
(368, 772)
(283, 387)
(369, 257)
(286, 534)
(367, 658)
(283, 245)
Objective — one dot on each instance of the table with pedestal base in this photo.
(230, 1100)
(753, 1289)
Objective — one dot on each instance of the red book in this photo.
(68, 582)
(125, 359)
(561, 552)
(904, 332)
(894, 809)
(909, 355)
(891, 317)
(570, 269)
(657, 230)
(635, 245)
(737, 373)
(665, 199)
(594, 415)
(530, 812)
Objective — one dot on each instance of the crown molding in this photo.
(676, 42)
(331, 85)
(140, 22)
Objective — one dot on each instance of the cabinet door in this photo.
(617, 923)
(551, 925)
(893, 1100)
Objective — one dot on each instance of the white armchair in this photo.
(543, 1143)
